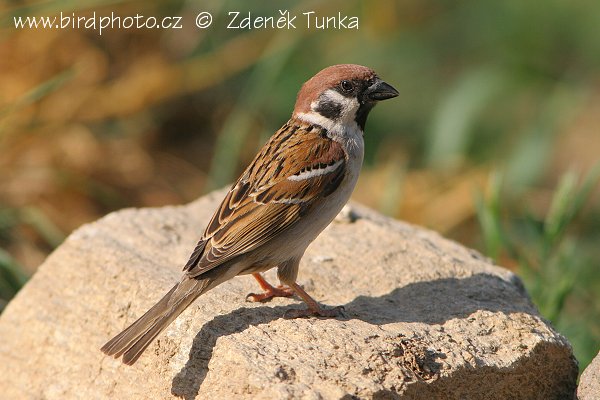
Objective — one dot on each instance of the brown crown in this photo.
(326, 79)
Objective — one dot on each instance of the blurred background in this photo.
(494, 140)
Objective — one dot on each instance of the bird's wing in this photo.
(297, 168)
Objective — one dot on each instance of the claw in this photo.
(269, 293)
(283, 291)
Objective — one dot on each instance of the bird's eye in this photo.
(346, 86)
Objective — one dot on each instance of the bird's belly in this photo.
(317, 219)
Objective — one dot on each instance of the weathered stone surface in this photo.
(425, 318)
(589, 383)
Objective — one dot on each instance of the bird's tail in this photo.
(132, 342)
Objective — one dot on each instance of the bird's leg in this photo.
(269, 290)
(313, 307)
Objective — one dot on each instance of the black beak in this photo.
(380, 91)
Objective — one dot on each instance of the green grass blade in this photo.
(453, 122)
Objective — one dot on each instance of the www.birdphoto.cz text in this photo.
(282, 20)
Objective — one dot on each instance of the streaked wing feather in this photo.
(256, 231)
(196, 255)
(271, 195)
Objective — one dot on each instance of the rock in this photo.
(589, 383)
(425, 318)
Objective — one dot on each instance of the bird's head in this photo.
(341, 96)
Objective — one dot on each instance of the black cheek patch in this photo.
(329, 109)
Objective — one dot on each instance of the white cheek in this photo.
(349, 105)
(343, 129)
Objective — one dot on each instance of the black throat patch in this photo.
(363, 113)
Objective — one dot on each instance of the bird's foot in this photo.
(314, 312)
(269, 293)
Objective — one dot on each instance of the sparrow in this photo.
(291, 191)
